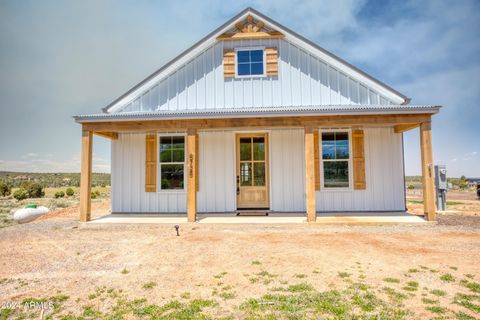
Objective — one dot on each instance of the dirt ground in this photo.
(57, 256)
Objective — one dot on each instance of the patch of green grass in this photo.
(463, 316)
(5, 313)
(429, 301)
(149, 285)
(92, 296)
(394, 295)
(300, 287)
(437, 309)
(438, 293)
(466, 301)
(344, 274)
(256, 263)
(469, 276)
(253, 279)
(391, 280)
(220, 275)
(125, 271)
(266, 274)
(300, 276)
(90, 311)
(367, 301)
(472, 286)
(447, 277)
(227, 295)
(453, 268)
(411, 286)
(312, 304)
(453, 203)
(413, 270)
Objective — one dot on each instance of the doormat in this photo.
(252, 213)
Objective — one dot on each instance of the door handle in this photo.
(238, 185)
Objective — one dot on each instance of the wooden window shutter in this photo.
(358, 146)
(316, 151)
(229, 63)
(197, 183)
(151, 163)
(272, 61)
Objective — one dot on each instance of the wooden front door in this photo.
(252, 171)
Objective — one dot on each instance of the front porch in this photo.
(308, 126)
(346, 218)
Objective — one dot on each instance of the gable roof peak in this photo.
(268, 28)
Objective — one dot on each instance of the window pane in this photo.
(178, 155)
(165, 143)
(256, 56)
(259, 173)
(245, 149)
(257, 68)
(341, 143)
(243, 56)
(335, 174)
(172, 176)
(259, 148)
(243, 69)
(245, 173)
(178, 142)
(166, 156)
(328, 136)
(328, 150)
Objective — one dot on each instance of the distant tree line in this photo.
(52, 180)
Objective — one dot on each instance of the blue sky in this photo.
(61, 58)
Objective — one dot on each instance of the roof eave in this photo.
(124, 117)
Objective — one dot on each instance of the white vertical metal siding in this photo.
(216, 171)
(383, 165)
(303, 80)
(384, 175)
(287, 170)
(128, 180)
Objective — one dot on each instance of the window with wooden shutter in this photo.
(229, 63)
(151, 163)
(272, 61)
(316, 150)
(358, 146)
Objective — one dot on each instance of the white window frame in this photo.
(264, 75)
(349, 160)
(159, 171)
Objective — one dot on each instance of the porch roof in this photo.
(321, 110)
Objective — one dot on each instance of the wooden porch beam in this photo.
(192, 175)
(86, 176)
(427, 171)
(399, 128)
(259, 122)
(107, 134)
(310, 174)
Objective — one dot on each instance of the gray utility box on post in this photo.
(441, 187)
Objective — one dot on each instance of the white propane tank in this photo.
(25, 215)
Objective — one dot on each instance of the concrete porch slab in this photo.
(272, 218)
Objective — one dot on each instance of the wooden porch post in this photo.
(86, 176)
(192, 175)
(310, 174)
(427, 171)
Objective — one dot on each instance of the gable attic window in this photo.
(172, 162)
(250, 62)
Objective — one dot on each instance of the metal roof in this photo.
(271, 21)
(322, 110)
